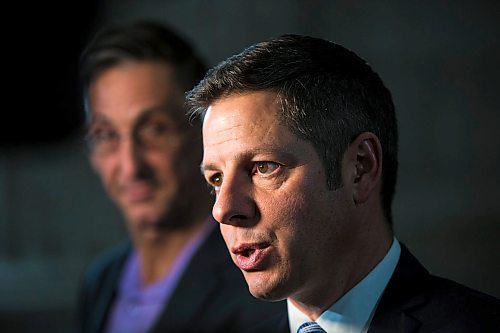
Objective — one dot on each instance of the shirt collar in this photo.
(353, 311)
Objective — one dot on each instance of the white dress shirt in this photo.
(353, 312)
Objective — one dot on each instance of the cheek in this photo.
(299, 219)
(285, 217)
(285, 207)
(98, 165)
(106, 170)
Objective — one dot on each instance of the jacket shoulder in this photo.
(98, 286)
(458, 308)
(414, 298)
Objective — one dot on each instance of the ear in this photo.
(363, 160)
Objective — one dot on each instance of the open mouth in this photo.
(247, 252)
(251, 257)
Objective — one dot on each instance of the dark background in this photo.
(441, 61)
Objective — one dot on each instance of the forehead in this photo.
(242, 114)
(246, 124)
(127, 90)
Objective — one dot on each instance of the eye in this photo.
(154, 134)
(101, 136)
(266, 168)
(153, 130)
(215, 181)
(156, 130)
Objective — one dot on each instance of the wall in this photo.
(439, 59)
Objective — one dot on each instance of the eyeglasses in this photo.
(153, 134)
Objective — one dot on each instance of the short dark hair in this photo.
(328, 96)
(140, 41)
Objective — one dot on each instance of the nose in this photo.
(234, 204)
(131, 159)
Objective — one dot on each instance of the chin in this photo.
(264, 287)
(268, 295)
(142, 217)
(141, 214)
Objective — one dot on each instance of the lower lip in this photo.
(253, 262)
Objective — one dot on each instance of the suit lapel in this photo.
(404, 293)
(275, 324)
(106, 289)
(190, 296)
(103, 305)
(393, 320)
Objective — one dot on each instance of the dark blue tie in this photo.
(310, 327)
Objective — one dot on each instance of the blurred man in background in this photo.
(174, 274)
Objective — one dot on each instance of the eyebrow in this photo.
(97, 117)
(162, 109)
(207, 167)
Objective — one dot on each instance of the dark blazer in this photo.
(212, 295)
(416, 301)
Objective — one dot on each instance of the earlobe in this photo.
(367, 158)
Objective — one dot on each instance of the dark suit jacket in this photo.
(212, 295)
(416, 301)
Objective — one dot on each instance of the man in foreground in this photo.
(300, 147)
(175, 274)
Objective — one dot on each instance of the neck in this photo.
(158, 250)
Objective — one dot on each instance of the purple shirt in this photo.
(136, 308)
